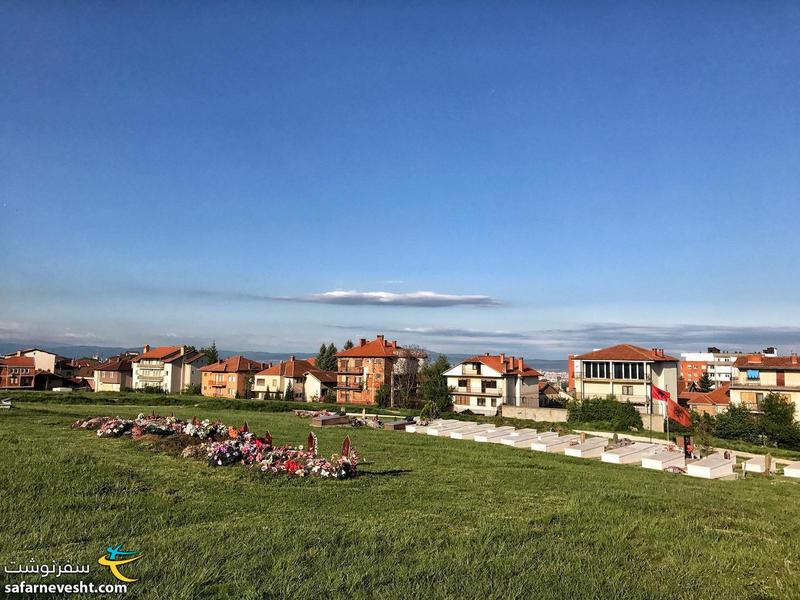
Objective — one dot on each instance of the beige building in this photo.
(305, 382)
(626, 372)
(756, 375)
(481, 384)
(44, 360)
(114, 375)
(168, 368)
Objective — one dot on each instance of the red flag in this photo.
(659, 394)
(677, 413)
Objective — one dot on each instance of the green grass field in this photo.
(428, 517)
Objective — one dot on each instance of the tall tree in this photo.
(434, 383)
(330, 357)
(705, 384)
(211, 352)
(321, 358)
(348, 344)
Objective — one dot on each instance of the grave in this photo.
(715, 466)
(493, 434)
(662, 459)
(792, 469)
(759, 464)
(553, 443)
(590, 448)
(330, 420)
(628, 455)
(469, 433)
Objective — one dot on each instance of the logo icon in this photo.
(113, 561)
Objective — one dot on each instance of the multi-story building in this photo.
(17, 373)
(168, 368)
(229, 378)
(115, 374)
(364, 368)
(756, 375)
(305, 382)
(43, 359)
(483, 383)
(625, 372)
(693, 366)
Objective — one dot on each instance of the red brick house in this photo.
(363, 369)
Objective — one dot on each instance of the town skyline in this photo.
(533, 179)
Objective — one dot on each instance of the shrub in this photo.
(195, 389)
(736, 423)
(382, 396)
(619, 415)
(777, 423)
(429, 411)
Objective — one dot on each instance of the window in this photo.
(753, 374)
(627, 390)
(259, 381)
(481, 401)
(461, 400)
(494, 401)
(625, 370)
(759, 398)
(595, 370)
(463, 383)
(490, 384)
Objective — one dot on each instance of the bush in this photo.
(429, 411)
(737, 423)
(620, 416)
(777, 423)
(195, 389)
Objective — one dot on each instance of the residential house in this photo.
(756, 375)
(115, 374)
(712, 403)
(229, 378)
(168, 368)
(626, 372)
(364, 368)
(483, 383)
(301, 377)
(17, 373)
(549, 393)
(43, 359)
(320, 386)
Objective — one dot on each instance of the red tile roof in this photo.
(506, 365)
(627, 352)
(324, 376)
(116, 363)
(293, 369)
(160, 353)
(377, 348)
(233, 364)
(18, 361)
(718, 397)
(757, 361)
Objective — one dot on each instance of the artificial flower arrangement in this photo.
(225, 446)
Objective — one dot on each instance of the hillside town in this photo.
(382, 372)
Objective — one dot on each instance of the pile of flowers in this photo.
(224, 446)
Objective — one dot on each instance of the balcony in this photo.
(758, 384)
(351, 371)
(488, 392)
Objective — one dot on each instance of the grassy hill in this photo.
(428, 517)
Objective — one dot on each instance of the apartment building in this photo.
(756, 375)
(168, 368)
(624, 371)
(305, 381)
(229, 378)
(364, 368)
(115, 374)
(482, 384)
(17, 373)
(43, 359)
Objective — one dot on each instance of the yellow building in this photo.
(755, 376)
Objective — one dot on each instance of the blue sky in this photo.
(558, 176)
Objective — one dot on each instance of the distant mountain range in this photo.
(106, 351)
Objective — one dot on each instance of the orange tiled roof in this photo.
(18, 361)
(627, 352)
(756, 361)
(160, 353)
(115, 363)
(377, 348)
(291, 368)
(507, 365)
(233, 364)
(324, 376)
(719, 396)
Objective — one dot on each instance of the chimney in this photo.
(362, 342)
(183, 350)
(380, 337)
(519, 363)
(502, 358)
(292, 358)
(394, 344)
(794, 358)
(146, 348)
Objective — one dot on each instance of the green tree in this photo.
(704, 384)
(348, 344)
(322, 356)
(288, 395)
(736, 423)
(382, 396)
(777, 422)
(433, 384)
(330, 357)
(211, 352)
